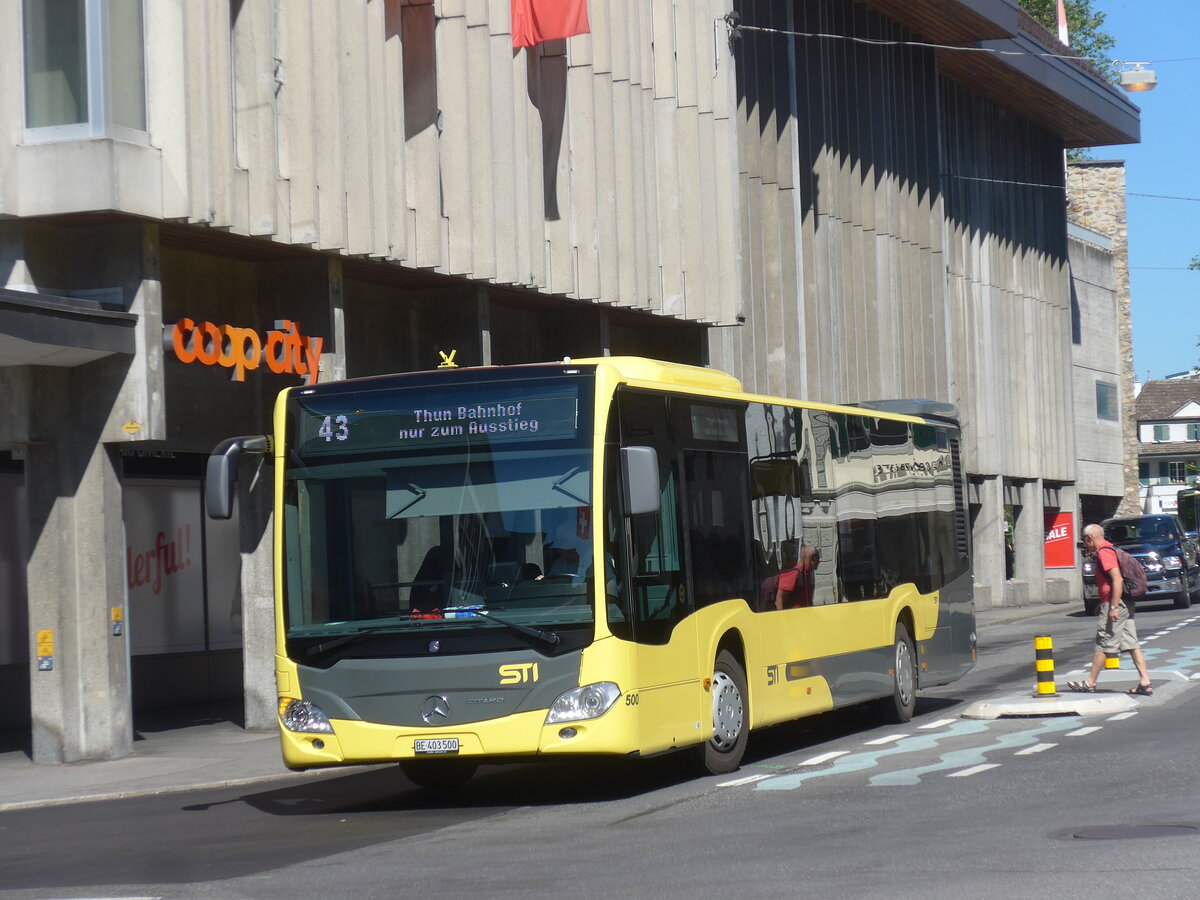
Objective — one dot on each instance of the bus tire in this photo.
(438, 774)
(899, 707)
(731, 721)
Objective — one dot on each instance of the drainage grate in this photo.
(1128, 832)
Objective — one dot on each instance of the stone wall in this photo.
(1096, 200)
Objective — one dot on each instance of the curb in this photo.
(157, 791)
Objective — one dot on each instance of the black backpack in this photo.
(1133, 575)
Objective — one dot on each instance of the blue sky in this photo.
(1164, 235)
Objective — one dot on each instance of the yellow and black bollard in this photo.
(1112, 661)
(1043, 646)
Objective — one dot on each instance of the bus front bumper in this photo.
(519, 735)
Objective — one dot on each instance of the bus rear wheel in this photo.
(731, 722)
(438, 774)
(900, 706)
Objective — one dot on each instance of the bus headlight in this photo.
(1172, 563)
(303, 715)
(586, 702)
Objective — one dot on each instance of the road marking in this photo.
(1080, 732)
(886, 739)
(824, 758)
(1036, 748)
(868, 759)
(1125, 715)
(974, 770)
(749, 779)
(957, 759)
(940, 723)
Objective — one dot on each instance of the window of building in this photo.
(1177, 471)
(1162, 433)
(1193, 431)
(1106, 401)
(1143, 473)
(84, 69)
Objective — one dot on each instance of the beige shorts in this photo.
(1115, 637)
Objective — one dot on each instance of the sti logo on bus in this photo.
(519, 673)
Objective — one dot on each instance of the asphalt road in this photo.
(837, 806)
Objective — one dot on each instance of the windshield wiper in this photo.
(536, 633)
(324, 648)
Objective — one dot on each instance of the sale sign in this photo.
(1060, 540)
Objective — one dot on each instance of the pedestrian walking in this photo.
(1115, 630)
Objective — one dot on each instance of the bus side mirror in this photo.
(639, 470)
(221, 472)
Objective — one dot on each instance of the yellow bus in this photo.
(608, 557)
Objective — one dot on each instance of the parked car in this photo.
(1170, 556)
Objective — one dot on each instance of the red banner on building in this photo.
(535, 21)
(1060, 540)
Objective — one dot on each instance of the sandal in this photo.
(1142, 690)
(1082, 687)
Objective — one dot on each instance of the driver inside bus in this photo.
(567, 554)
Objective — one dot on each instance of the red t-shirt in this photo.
(798, 585)
(1106, 559)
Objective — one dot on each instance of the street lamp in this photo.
(1138, 78)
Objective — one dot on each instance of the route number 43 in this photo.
(334, 428)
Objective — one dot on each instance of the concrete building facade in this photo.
(205, 202)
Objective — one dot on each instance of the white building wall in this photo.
(410, 131)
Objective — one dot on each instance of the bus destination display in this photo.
(366, 421)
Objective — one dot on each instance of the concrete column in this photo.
(606, 334)
(1029, 539)
(256, 540)
(75, 574)
(484, 308)
(333, 358)
(988, 544)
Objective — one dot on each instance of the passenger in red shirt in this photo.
(796, 585)
(1115, 631)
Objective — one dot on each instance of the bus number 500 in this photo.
(631, 699)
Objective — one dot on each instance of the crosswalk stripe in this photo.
(824, 758)
(940, 723)
(749, 779)
(974, 770)
(1036, 748)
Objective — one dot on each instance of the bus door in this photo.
(655, 607)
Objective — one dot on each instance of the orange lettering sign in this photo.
(285, 350)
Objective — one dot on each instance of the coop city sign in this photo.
(284, 350)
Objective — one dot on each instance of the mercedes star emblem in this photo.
(435, 709)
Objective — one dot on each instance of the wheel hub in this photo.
(904, 673)
(727, 712)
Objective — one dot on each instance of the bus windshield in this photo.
(432, 532)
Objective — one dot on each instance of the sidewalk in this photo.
(174, 754)
(167, 757)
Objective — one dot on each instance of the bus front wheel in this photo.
(438, 774)
(731, 722)
(900, 706)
